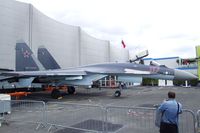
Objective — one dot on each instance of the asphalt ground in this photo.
(138, 96)
(132, 97)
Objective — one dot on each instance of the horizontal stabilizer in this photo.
(5, 70)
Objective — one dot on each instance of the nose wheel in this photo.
(117, 93)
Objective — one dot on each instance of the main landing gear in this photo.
(118, 92)
(56, 92)
(71, 89)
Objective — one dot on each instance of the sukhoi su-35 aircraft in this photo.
(85, 75)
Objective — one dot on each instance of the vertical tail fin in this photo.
(47, 59)
(25, 59)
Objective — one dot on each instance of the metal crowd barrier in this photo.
(93, 118)
(132, 119)
(198, 121)
(90, 118)
(5, 108)
(24, 111)
(142, 120)
(76, 117)
(187, 122)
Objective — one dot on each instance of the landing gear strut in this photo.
(71, 89)
(117, 93)
(55, 93)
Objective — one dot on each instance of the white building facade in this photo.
(69, 45)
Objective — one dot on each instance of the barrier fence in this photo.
(55, 116)
(198, 121)
(23, 111)
(75, 116)
(141, 120)
(132, 120)
(187, 122)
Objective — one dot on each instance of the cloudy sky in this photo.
(166, 28)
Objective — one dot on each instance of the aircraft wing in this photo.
(72, 77)
(44, 73)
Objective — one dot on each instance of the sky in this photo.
(166, 28)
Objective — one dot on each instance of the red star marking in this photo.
(26, 54)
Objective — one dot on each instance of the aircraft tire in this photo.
(117, 93)
(71, 89)
(55, 94)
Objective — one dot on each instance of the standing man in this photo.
(170, 110)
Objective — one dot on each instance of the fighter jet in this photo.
(85, 75)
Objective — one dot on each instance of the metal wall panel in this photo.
(14, 25)
(118, 54)
(93, 50)
(61, 40)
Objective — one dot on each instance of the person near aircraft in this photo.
(170, 110)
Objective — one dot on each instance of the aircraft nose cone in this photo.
(183, 75)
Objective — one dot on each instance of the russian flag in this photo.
(123, 44)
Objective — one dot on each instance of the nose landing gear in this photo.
(117, 93)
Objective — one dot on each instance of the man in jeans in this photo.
(170, 110)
